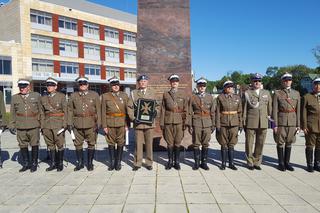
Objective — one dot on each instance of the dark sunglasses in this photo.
(257, 81)
(83, 83)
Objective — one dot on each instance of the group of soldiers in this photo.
(228, 115)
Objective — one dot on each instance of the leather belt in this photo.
(56, 114)
(27, 115)
(85, 115)
(204, 114)
(177, 110)
(116, 114)
(229, 112)
(287, 110)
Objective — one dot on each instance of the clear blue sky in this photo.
(247, 35)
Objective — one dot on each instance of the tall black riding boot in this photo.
(90, 159)
(231, 157)
(52, 161)
(111, 157)
(170, 158)
(309, 158)
(223, 158)
(287, 153)
(59, 161)
(281, 166)
(204, 158)
(177, 158)
(118, 158)
(34, 158)
(25, 159)
(196, 165)
(80, 163)
(317, 159)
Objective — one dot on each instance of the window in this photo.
(41, 18)
(130, 37)
(112, 54)
(130, 73)
(69, 68)
(113, 71)
(39, 65)
(91, 69)
(41, 44)
(91, 30)
(5, 65)
(129, 57)
(92, 51)
(68, 48)
(111, 34)
(67, 23)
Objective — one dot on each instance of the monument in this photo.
(163, 44)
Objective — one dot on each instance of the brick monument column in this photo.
(163, 44)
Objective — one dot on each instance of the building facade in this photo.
(65, 39)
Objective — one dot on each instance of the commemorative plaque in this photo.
(146, 110)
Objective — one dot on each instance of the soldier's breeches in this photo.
(53, 140)
(285, 136)
(28, 136)
(116, 135)
(228, 136)
(201, 137)
(88, 135)
(173, 134)
(143, 136)
(313, 140)
(255, 137)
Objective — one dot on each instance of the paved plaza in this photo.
(159, 191)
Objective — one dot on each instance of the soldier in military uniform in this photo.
(228, 123)
(84, 118)
(201, 123)
(54, 107)
(173, 120)
(256, 114)
(3, 122)
(286, 116)
(311, 126)
(143, 132)
(114, 121)
(25, 119)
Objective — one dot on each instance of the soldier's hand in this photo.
(306, 131)
(106, 130)
(190, 130)
(162, 128)
(275, 129)
(13, 131)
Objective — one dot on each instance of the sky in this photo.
(247, 35)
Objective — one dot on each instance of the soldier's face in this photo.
(256, 84)
(174, 84)
(201, 88)
(115, 88)
(24, 90)
(143, 84)
(51, 89)
(83, 87)
(229, 90)
(316, 88)
(287, 83)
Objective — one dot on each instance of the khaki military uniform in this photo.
(143, 132)
(256, 110)
(201, 119)
(173, 114)
(286, 116)
(311, 120)
(54, 107)
(84, 113)
(26, 117)
(228, 119)
(114, 117)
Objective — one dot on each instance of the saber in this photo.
(61, 131)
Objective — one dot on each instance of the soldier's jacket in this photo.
(311, 113)
(114, 109)
(174, 108)
(54, 111)
(202, 111)
(25, 111)
(3, 121)
(84, 110)
(229, 110)
(286, 108)
(132, 105)
(256, 109)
